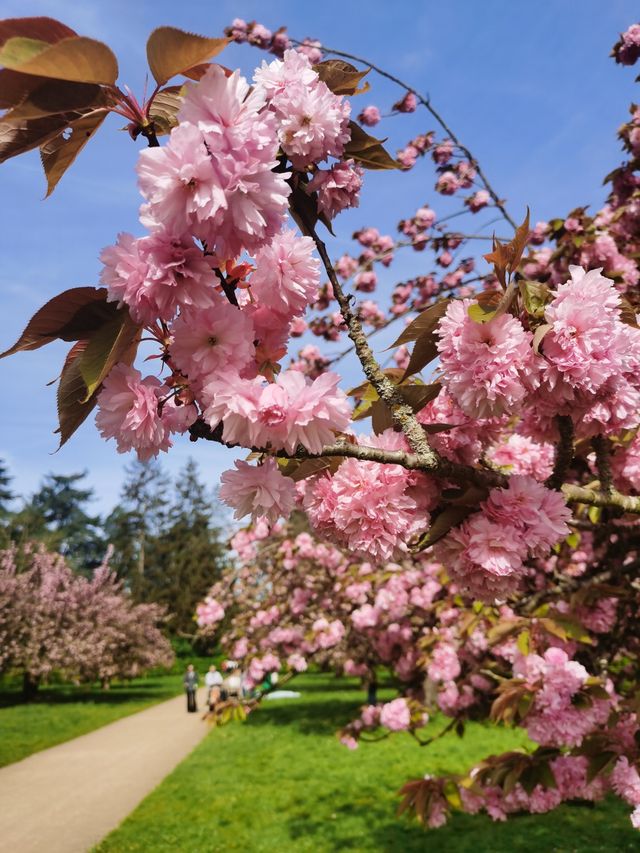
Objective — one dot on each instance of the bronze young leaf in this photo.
(171, 51)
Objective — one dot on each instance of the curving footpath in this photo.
(67, 798)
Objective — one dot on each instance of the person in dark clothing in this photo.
(191, 685)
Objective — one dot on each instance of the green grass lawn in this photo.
(61, 712)
(282, 782)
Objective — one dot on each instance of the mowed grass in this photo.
(61, 712)
(282, 782)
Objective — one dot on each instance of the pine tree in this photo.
(188, 556)
(57, 515)
(6, 495)
(138, 520)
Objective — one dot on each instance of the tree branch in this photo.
(595, 497)
(564, 452)
(603, 462)
(401, 413)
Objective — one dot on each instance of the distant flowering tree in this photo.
(55, 621)
(483, 541)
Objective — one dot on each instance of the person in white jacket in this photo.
(213, 682)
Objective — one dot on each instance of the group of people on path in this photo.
(219, 687)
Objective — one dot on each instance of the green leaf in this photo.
(76, 58)
(524, 642)
(594, 513)
(524, 705)
(72, 408)
(70, 316)
(171, 51)
(535, 296)
(106, 347)
(20, 49)
(480, 313)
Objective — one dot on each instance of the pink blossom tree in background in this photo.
(482, 541)
(56, 622)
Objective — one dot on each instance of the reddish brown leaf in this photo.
(310, 467)
(60, 152)
(43, 29)
(519, 243)
(79, 59)
(14, 87)
(424, 352)
(164, 109)
(381, 418)
(341, 77)
(367, 150)
(171, 51)
(23, 135)
(417, 396)
(424, 323)
(58, 96)
(71, 316)
(627, 312)
(538, 336)
(448, 518)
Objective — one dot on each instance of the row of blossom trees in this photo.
(482, 540)
(56, 622)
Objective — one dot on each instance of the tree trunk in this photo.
(29, 687)
(372, 693)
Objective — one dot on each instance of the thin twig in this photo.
(426, 102)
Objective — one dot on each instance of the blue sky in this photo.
(529, 88)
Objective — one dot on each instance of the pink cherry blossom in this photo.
(258, 490)
(156, 275)
(395, 715)
(128, 412)
(488, 367)
(205, 343)
(337, 187)
(369, 116)
(287, 274)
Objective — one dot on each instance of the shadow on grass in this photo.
(573, 828)
(309, 718)
(66, 694)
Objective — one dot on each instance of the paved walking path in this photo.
(67, 798)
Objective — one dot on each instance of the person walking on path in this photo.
(213, 681)
(191, 685)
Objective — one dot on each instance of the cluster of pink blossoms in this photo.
(486, 555)
(371, 508)
(554, 718)
(489, 368)
(590, 368)
(209, 612)
(212, 193)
